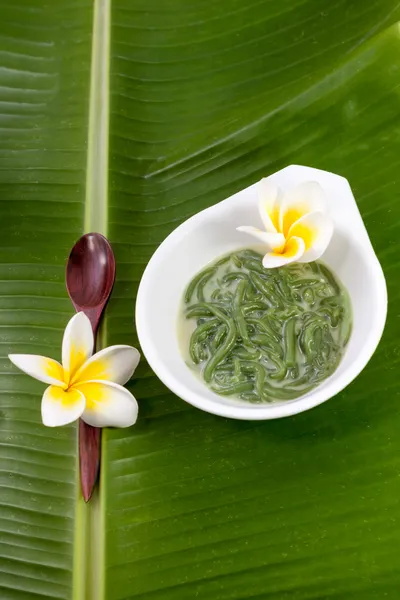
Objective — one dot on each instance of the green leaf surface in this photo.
(204, 99)
(44, 86)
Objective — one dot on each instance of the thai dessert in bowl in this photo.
(264, 334)
(267, 303)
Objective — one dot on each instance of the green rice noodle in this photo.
(266, 334)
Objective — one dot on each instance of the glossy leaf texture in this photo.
(205, 99)
(44, 82)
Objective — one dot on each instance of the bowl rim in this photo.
(329, 388)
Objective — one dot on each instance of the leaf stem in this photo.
(97, 156)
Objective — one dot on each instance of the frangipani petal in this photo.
(301, 200)
(60, 407)
(108, 404)
(77, 345)
(269, 198)
(116, 363)
(316, 230)
(44, 369)
(273, 241)
(293, 250)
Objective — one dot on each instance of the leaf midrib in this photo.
(89, 529)
(99, 109)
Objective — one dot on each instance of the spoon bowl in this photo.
(212, 233)
(90, 271)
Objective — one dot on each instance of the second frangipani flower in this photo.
(84, 385)
(297, 226)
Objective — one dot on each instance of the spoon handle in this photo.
(89, 437)
(89, 457)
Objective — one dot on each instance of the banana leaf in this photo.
(127, 117)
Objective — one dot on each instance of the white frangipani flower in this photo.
(84, 386)
(297, 226)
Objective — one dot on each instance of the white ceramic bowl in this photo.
(212, 233)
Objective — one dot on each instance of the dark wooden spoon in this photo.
(90, 278)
